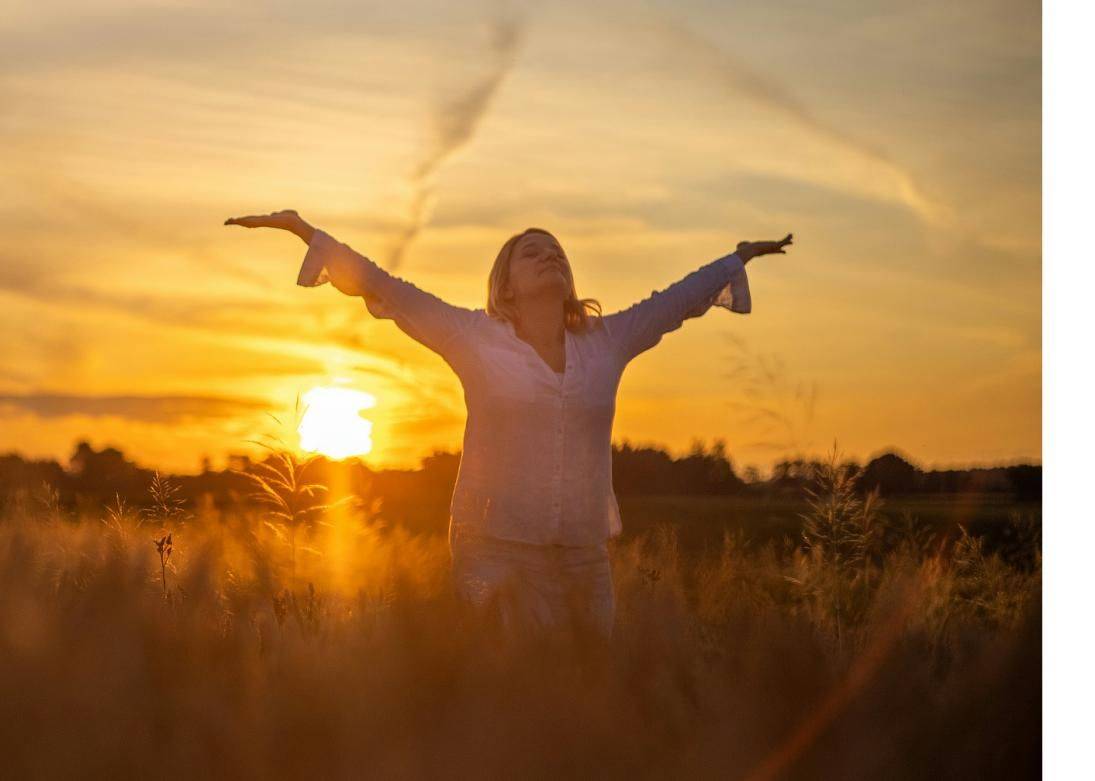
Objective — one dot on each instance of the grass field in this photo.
(701, 521)
(322, 644)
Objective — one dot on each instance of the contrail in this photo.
(737, 76)
(456, 122)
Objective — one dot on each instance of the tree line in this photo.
(94, 478)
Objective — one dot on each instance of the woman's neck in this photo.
(541, 321)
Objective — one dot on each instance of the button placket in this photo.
(557, 499)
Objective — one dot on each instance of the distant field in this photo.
(702, 520)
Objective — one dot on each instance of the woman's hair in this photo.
(577, 312)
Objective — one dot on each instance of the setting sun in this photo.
(332, 423)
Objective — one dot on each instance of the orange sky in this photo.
(899, 142)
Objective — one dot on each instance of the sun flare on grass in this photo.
(332, 424)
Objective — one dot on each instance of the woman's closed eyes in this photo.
(557, 252)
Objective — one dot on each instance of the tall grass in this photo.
(859, 651)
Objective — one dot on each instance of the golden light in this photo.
(332, 423)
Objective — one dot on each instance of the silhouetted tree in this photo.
(1026, 481)
(891, 474)
(99, 475)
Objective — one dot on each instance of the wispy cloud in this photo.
(738, 77)
(23, 280)
(79, 210)
(456, 120)
(147, 409)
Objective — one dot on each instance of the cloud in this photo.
(10, 375)
(139, 34)
(227, 319)
(147, 409)
(456, 121)
(26, 281)
(737, 76)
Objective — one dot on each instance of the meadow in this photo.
(293, 638)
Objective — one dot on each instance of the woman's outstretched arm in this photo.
(421, 315)
(722, 282)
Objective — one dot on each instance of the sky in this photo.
(899, 142)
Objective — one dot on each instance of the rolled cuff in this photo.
(735, 294)
(382, 288)
(313, 271)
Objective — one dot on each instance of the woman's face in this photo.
(539, 267)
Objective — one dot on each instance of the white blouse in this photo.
(537, 452)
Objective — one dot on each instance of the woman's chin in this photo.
(553, 286)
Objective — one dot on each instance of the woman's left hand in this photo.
(747, 250)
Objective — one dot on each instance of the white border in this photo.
(1068, 133)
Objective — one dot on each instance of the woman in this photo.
(533, 506)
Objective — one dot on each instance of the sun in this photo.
(332, 424)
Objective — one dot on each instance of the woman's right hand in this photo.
(286, 219)
(344, 269)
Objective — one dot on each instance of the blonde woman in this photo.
(533, 507)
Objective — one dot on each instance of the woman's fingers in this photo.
(776, 247)
(284, 219)
(767, 247)
(250, 221)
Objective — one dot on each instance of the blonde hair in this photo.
(577, 312)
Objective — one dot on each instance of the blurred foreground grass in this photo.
(335, 648)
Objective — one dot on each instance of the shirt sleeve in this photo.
(722, 282)
(421, 315)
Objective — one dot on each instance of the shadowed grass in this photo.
(733, 665)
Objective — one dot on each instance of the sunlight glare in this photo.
(332, 424)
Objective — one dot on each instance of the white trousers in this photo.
(535, 586)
